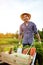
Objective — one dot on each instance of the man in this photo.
(27, 30)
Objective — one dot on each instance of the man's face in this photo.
(25, 18)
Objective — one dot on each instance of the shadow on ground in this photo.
(4, 64)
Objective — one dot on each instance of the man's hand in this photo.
(40, 42)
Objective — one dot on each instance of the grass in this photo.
(7, 43)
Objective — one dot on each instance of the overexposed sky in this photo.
(10, 11)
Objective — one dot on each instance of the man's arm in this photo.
(36, 33)
(38, 36)
(20, 33)
(19, 37)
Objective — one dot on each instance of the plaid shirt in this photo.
(28, 32)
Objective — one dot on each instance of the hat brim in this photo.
(29, 15)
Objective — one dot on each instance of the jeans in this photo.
(26, 44)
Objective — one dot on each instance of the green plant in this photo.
(39, 50)
(15, 48)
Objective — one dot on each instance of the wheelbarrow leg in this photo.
(33, 59)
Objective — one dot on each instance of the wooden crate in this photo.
(16, 59)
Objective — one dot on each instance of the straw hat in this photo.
(29, 15)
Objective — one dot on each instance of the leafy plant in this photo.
(15, 48)
(39, 50)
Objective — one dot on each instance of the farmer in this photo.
(27, 30)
